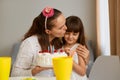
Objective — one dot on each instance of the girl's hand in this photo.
(69, 52)
(38, 69)
(83, 52)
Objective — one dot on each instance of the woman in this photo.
(45, 32)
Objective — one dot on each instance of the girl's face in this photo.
(71, 37)
(59, 28)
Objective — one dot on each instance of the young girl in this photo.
(74, 40)
(45, 31)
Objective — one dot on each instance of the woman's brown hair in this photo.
(38, 29)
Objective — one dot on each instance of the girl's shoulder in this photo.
(74, 46)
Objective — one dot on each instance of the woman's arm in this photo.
(24, 61)
(22, 65)
(83, 52)
(38, 69)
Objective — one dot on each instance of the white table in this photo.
(37, 78)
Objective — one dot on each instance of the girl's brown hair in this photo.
(74, 24)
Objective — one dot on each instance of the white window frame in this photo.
(103, 29)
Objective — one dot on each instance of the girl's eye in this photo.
(75, 34)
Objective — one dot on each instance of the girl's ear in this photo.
(47, 31)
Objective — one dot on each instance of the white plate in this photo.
(36, 78)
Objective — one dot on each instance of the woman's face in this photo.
(71, 37)
(59, 28)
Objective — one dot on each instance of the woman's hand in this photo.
(38, 69)
(83, 52)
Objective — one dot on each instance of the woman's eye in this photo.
(61, 27)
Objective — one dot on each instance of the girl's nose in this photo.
(70, 36)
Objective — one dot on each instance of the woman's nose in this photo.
(65, 27)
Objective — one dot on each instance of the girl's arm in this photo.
(79, 68)
(83, 58)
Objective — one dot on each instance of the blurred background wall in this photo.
(16, 17)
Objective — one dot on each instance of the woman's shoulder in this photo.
(31, 40)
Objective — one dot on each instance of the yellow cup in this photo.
(5, 66)
(62, 67)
